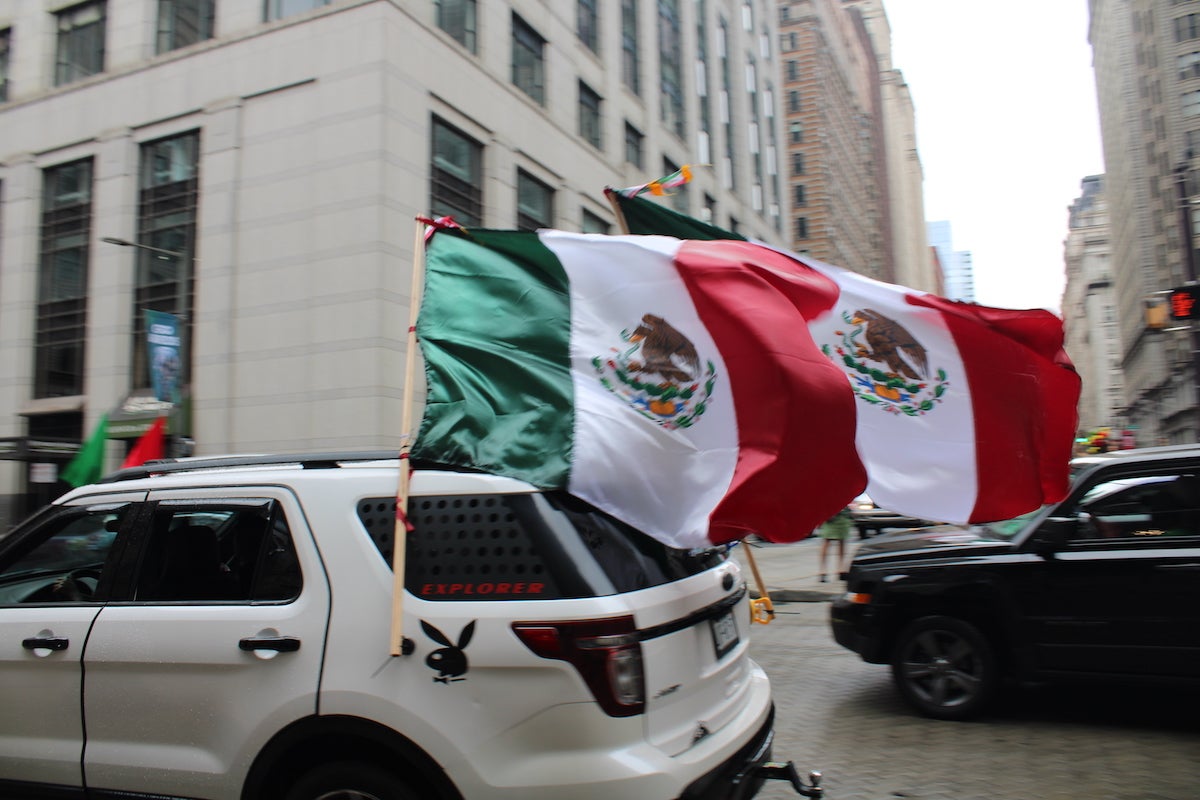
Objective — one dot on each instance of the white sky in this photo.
(1007, 127)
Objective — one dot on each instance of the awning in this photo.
(137, 412)
(27, 448)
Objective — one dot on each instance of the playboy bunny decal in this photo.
(450, 661)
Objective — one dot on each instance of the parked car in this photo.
(1105, 584)
(220, 628)
(869, 519)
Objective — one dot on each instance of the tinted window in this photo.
(225, 551)
(523, 547)
(63, 559)
(1141, 507)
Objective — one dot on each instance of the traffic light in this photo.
(1184, 302)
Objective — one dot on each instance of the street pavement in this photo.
(842, 716)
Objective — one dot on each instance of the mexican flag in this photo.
(670, 383)
(965, 413)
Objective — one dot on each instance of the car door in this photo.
(1119, 597)
(214, 644)
(54, 574)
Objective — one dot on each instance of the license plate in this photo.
(724, 633)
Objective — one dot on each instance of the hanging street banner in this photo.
(163, 342)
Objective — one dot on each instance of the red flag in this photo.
(147, 448)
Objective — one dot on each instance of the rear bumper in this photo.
(739, 778)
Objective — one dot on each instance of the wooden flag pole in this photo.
(762, 610)
(399, 644)
(611, 194)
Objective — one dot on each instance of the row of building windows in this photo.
(168, 193)
(458, 19)
(456, 182)
(81, 33)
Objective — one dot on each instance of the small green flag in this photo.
(88, 464)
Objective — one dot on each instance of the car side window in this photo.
(228, 551)
(65, 559)
(1141, 507)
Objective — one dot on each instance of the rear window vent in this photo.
(464, 547)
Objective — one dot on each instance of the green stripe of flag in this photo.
(494, 329)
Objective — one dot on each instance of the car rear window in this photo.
(533, 546)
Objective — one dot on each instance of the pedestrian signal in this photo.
(1184, 302)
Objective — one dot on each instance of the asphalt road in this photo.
(841, 716)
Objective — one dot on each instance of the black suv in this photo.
(1104, 584)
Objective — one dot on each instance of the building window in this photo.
(629, 46)
(183, 22)
(801, 227)
(587, 24)
(1189, 66)
(589, 115)
(168, 194)
(709, 212)
(594, 223)
(278, 9)
(1190, 105)
(797, 163)
(1187, 27)
(457, 18)
(634, 144)
(80, 45)
(793, 102)
(5, 47)
(457, 175)
(799, 195)
(670, 66)
(535, 203)
(796, 133)
(528, 64)
(62, 280)
(793, 70)
(1193, 142)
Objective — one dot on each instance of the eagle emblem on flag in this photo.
(659, 373)
(887, 366)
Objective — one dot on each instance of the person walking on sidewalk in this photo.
(834, 532)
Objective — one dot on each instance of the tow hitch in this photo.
(786, 771)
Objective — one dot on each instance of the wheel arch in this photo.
(980, 604)
(320, 739)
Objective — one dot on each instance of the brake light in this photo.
(606, 653)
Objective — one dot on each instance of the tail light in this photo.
(606, 653)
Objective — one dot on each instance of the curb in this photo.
(797, 595)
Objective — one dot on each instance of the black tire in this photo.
(350, 780)
(945, 668)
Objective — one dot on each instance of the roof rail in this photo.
(305, 460)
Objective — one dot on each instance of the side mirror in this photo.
(1053, 534)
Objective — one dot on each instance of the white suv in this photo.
(219, 628)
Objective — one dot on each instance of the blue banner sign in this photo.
(163, 350)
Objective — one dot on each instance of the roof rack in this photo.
(327, 460)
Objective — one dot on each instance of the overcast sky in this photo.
(1007, 127)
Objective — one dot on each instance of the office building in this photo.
(253, 171)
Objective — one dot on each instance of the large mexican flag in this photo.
(965, 413)
(671, 383)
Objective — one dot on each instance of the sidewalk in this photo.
(791, 571)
